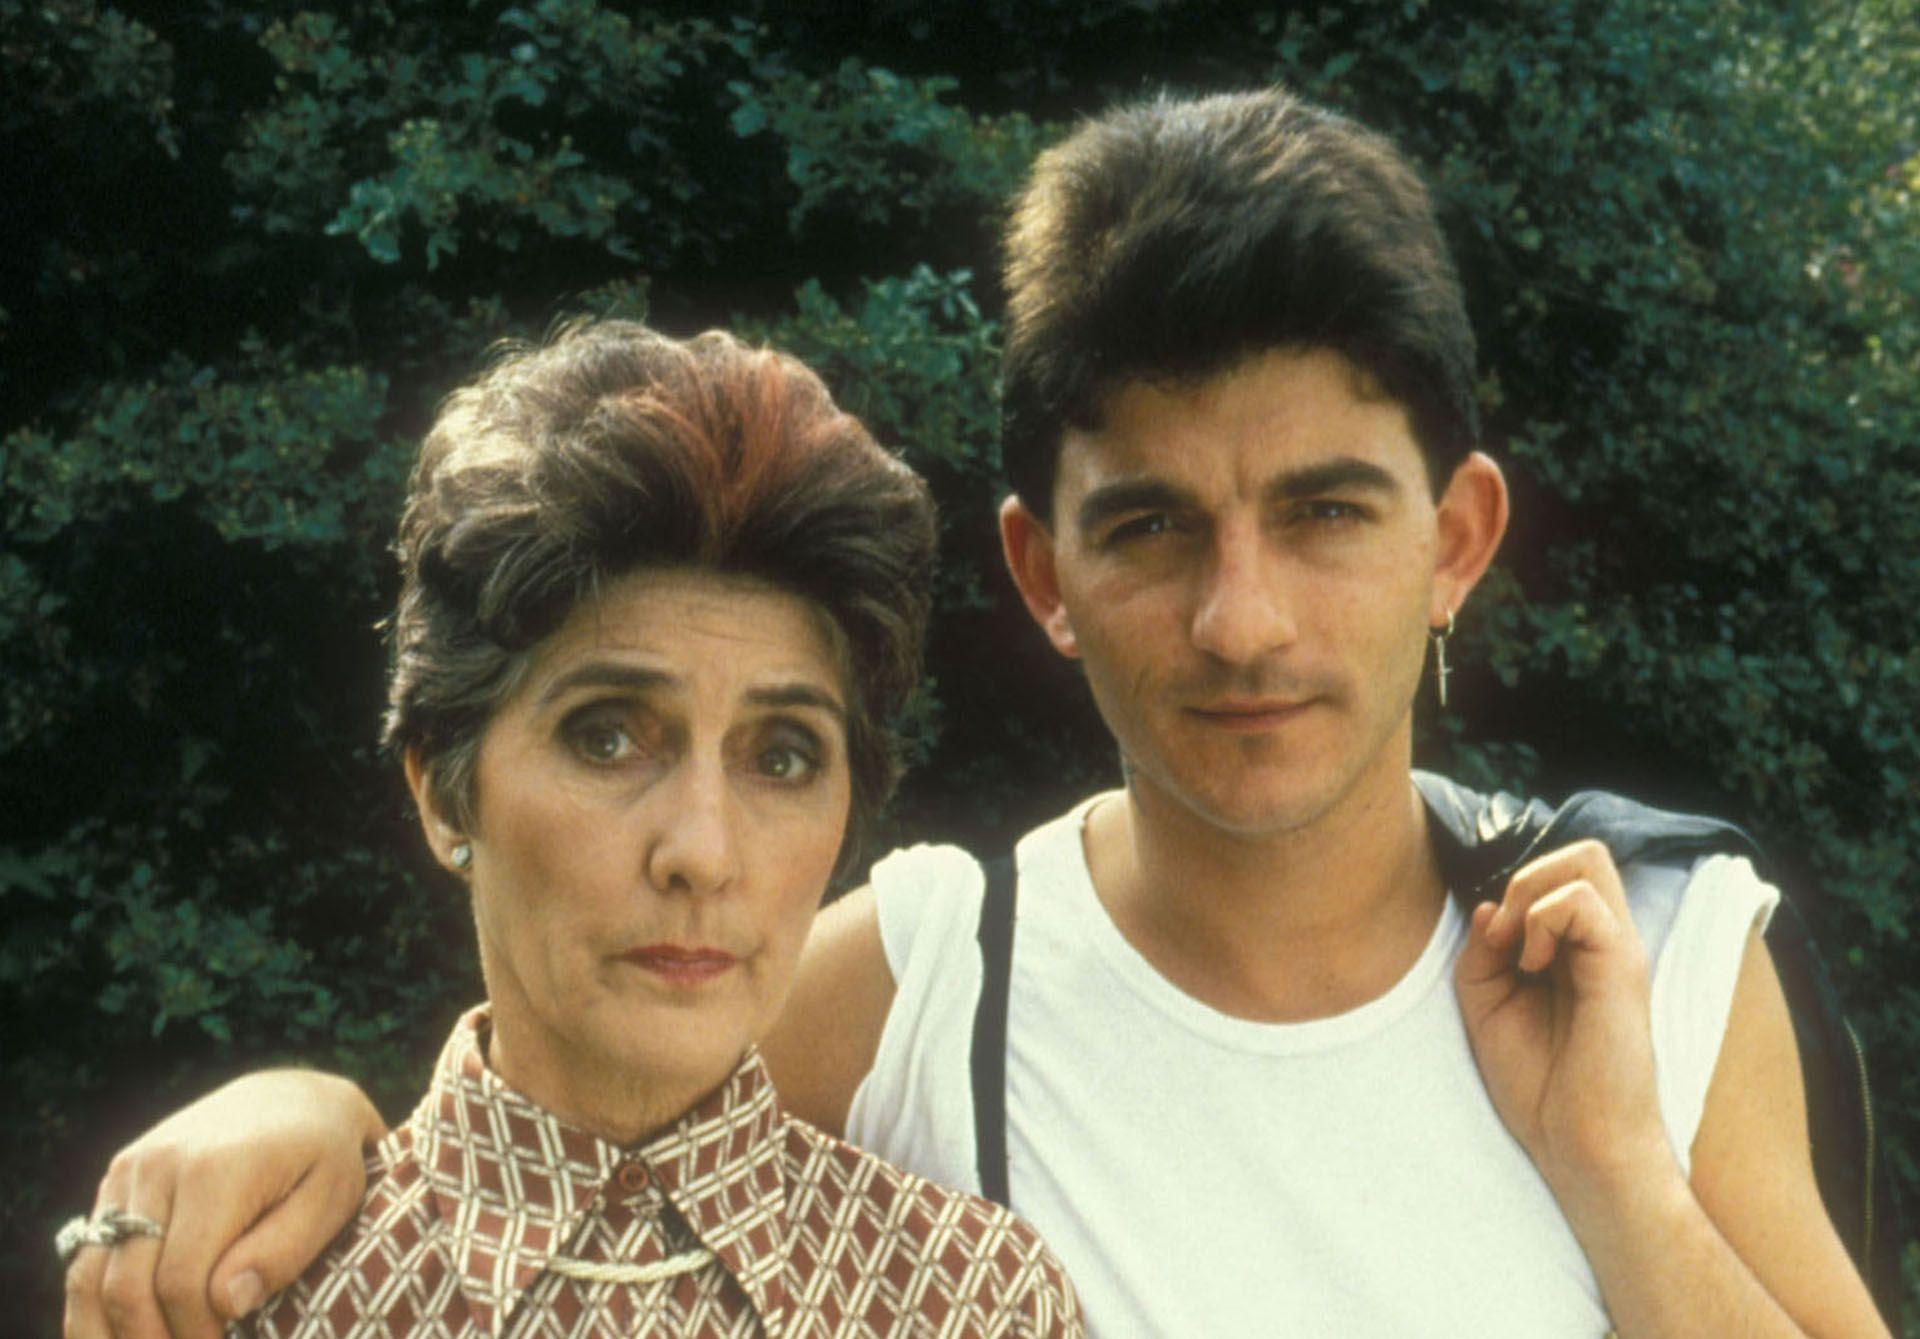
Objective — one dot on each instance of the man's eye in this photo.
(1330, 510)
(1144, 526)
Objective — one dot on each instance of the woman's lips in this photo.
(680, 965)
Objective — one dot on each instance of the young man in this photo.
(1263, 1075)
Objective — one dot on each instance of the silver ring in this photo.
(112, 1227)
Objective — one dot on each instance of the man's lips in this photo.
(1250, 713)
(680, 963)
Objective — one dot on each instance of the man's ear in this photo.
(442, 833)
(1472, 518)
(1028, 546)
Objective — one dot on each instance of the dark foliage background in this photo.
(247, 246)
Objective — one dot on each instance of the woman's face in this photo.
(659, 808)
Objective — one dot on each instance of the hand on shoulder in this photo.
(247, 1185)
(1553, 990)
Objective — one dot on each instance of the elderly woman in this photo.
(659, 602)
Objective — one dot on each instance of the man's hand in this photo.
(249, 1184)
(1553, 988)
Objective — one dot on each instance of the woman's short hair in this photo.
(611, 447)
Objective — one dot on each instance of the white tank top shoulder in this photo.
(1205, 1175)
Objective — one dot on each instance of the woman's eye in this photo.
(601, 741)
(787, 762)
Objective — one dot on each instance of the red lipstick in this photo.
(680, 965)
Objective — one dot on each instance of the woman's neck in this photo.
(587, 1093)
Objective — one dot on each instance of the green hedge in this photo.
(250, 246)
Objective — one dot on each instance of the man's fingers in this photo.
(1481, 960)
(86, 1313)
(86, 1316)
(277, 1249)
(126, 1283)
(1586, 860)
(213, 1204)
(1576, 913)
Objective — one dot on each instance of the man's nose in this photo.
(1242, 611)
(695, 848)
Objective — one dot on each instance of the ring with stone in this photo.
(109, 1228)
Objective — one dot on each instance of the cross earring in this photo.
(1441, 670)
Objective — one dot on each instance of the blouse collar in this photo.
(514, 1183)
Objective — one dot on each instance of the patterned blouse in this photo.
(486, 1215)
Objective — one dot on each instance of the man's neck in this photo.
(1279, 927)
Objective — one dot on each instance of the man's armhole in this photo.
(926, 908)
(1725, 903)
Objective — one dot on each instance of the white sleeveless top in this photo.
(1204, 1175)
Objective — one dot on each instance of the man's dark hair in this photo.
(611, 448)
(1169, 239)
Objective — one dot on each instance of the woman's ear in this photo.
(1472, 518)
(1028, 547)
(449, 845)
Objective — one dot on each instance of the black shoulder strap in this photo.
(989, 1063)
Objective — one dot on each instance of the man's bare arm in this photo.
(1553, 989)
(1751, 1216)
(249, 1184)
(252, 1181)
(829, 1031)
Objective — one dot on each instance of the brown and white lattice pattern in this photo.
(772, 1228)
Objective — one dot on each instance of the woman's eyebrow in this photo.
(798, 694)
(641, 679)
(606, 674)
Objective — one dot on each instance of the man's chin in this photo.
(1249, 811)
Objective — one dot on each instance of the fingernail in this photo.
(244, 1293)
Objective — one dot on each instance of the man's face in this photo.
(1248, 567)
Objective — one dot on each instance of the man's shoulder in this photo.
(1482, 837)
(942, 866)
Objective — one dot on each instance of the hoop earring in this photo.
(1441, 670)
(461, 855)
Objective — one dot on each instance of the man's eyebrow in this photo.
(1332, 476)
(1127, 495)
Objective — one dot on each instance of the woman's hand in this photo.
(1553, 989)
(248, 1185)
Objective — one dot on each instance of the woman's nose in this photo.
(695, 847)
(1242, 611)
